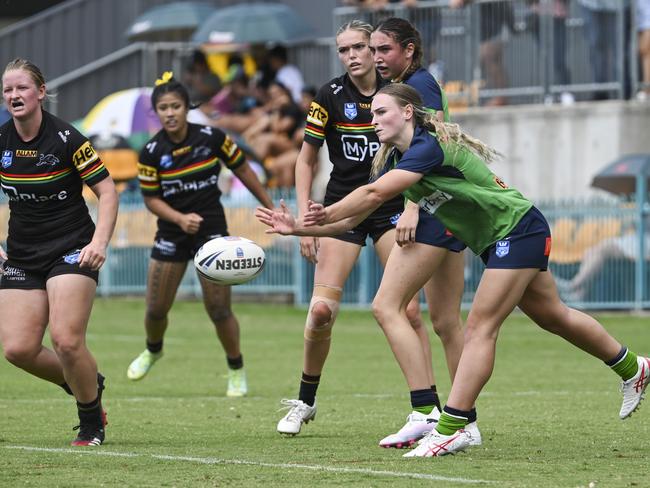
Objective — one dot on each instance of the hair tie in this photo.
(165, 78)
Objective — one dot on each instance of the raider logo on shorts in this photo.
(503, 248)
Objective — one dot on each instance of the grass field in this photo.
(549, 416)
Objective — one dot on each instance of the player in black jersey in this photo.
(178, 172)
(340, 115)
(54, 251)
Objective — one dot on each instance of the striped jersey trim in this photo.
(193, 168)
(35, 179)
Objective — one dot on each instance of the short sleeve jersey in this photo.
(433, 97)
(459, 189)
(185, 175)
(341, 115)
(43, 180)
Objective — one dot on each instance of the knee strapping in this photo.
(318, 326)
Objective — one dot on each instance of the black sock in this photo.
(472, 416)
(90, 413)
(66, 388)
(100, 386)
(235, 363)
(155, 347)
(422, 400)
(308, 387)
(436, 398)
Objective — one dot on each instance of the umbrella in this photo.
(620, 176)
(118, 156)
(172, 22)
(127, 113)
(253, 23)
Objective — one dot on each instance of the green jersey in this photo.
(460, 190)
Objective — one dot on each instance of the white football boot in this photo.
(435, 444)
(237, 385)
(299, 413)
(634, 388)
(141, 365)
(474, 433)
(416, 427)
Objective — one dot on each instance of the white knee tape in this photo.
(331, 297)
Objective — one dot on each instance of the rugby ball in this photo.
(229, 260)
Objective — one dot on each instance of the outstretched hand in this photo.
(315, 215)
(279, 220)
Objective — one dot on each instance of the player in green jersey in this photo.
(445, 171)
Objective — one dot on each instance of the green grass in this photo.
(549, 416)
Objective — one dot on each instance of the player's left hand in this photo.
(280, 220)
(406, 225)
(92, 256)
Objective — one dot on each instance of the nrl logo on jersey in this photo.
(350, 110)
(166, 161)
(7, 158)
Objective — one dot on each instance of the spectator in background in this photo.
(643, 28)
(272, 134)
(558, 10)
(601, 31)
(199, 79)
(594, 259)
(493, 17)
(285, 73)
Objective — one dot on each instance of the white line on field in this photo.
(243, 462)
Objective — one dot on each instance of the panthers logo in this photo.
(47, 160)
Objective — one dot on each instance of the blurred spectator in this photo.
(199, 79)
(594, 259)
(558, 10)
(601, 30)
(274, 134)
(643, 28)
(285, 73)
(493, 17)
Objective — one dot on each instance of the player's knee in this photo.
(413, 315)
(383, 313)
(323, 310)
(155, 315)
(218, 314)
(19, 355)
(67, 346)
(445, 325)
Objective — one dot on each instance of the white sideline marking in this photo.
(242, 462)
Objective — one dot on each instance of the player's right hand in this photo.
(309, 248)
(190, 223)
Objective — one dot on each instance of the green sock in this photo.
(425, 410)
(449, 424)
(627, 366)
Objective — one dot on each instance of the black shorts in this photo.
(375, 225)
(181, 247)
(432, 232)
(528, 245)
(18, 278)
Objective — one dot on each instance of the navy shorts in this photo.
(180, 247)
(432, 232)
(18, 278)
(528, 245)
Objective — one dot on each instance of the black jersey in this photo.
(185, 175)
(341, 115)
(43, 180)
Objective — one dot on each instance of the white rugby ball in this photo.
(229, 260)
